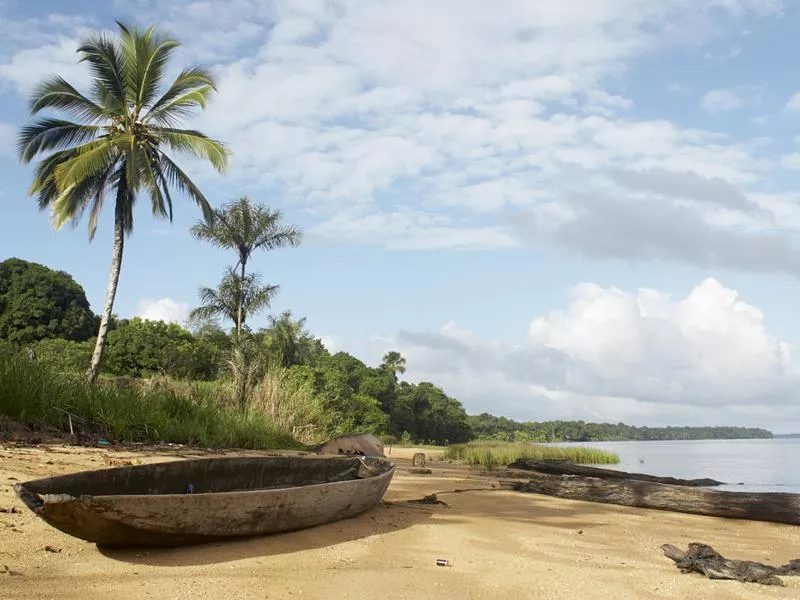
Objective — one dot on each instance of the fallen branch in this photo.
(775, 507)
(566, 467)
(703, 559)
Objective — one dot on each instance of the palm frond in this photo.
(71, 202)
(56, 93)
(98, 199)
(177, 178)
(190, 90)
(146, 55)
(154, 163)
(195, 143)
(259, 297)
(44, 185)
(52, 134)
(90, 159)
(148, 177)
(278, 236)
(90, 192)
(107, 65)
(210, 231)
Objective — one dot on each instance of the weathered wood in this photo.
(183, 502)
(703, 559)
(566, 467)
(775, 507)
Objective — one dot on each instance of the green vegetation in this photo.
(37, 303)
(243, 227)
(32, 395)
(489, 427)
(293, 381)
(491, 454)
(117, 146)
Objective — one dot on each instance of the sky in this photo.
(554, 210)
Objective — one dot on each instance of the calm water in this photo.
(760, 465)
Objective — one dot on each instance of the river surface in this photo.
(770, 465)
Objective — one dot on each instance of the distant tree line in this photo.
(486, 426)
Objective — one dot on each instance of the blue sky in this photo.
(554, 210)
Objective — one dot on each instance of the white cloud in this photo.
(791, 161)
(28, 67)
(165, 309)
(614, 355)
(794, 103)
(463, 113)
(719, 101)
(411, 230)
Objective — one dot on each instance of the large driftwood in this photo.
(703, 559)
(770, 506)
(566, 467)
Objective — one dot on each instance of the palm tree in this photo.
(393, 361)
(245, 227)
(118, 142)
(234, 298)
(289, 342)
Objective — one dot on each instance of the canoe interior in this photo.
(210, 475)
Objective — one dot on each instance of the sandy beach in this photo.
(500, 543)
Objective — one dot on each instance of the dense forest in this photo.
(45, 313)
(486, 426)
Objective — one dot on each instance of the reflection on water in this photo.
(771, 465)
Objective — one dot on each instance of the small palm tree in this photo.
(393, 361)
(234, 298)
(119, 141)
(288, 341)
(245, 227)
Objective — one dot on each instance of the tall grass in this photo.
(491, 454)
(31, 394)
(291, 407)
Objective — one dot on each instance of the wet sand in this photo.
(500, 543)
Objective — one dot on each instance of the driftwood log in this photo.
(776, 507)
(567, 467)
(703, 559)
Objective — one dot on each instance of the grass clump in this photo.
(491, 454)
(31, 394)
(290, 406)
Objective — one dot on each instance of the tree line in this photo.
(486, 426)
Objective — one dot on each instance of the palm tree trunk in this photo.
(111, 292)
(240, 308)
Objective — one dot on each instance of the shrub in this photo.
(490, 454)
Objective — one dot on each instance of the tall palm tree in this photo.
(119, 141)
(234, 297)
(245, 227)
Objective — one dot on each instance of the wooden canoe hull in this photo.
(263, 496)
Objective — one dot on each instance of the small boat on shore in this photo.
(194, 501)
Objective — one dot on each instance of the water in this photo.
(770, 465)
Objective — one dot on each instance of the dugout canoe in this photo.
(195, 501)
